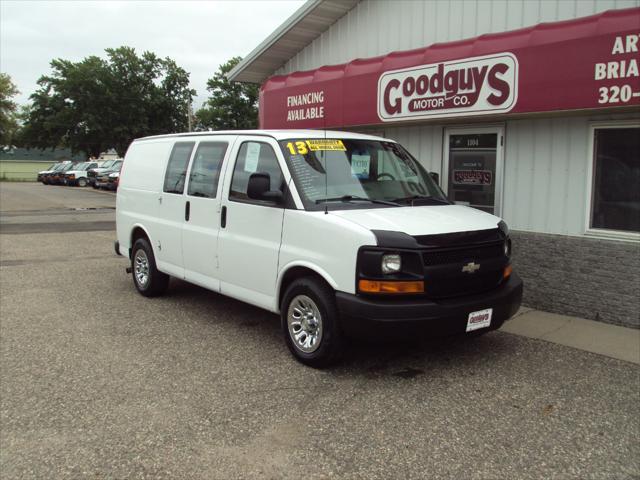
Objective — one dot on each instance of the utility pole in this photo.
(190, 116)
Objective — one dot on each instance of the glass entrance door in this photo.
(473, 162)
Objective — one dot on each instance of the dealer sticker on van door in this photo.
(479, 319)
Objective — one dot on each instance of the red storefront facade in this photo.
(584, 64)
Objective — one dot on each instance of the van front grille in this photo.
(453, 286)
(462, 255)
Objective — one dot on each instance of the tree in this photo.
(232, 105)
(8, 110)
(97, 104)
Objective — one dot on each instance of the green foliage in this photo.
(8, 110)
(231, 106)
(97, 104)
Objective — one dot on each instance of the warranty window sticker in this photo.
(323, 144)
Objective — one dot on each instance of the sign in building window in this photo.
(615, 203)
(473, 161)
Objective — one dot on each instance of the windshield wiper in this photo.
(413, 198)
(350, 198)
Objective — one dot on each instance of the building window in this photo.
(615, 195)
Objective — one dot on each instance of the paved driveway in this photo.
(97, 381)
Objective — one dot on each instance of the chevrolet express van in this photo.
(341, 234)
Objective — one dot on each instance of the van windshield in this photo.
(346, 173)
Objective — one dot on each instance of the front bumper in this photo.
(404, 318)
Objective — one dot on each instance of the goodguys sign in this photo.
(480, 85)
(584, 64)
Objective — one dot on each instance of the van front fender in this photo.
(301, 265)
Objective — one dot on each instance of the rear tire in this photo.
(148, 280)
(82, 182)
(310, 322)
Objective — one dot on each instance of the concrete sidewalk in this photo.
(596, 337)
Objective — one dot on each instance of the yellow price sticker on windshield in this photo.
(304, 147)
(325, 144)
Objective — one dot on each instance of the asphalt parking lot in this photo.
(97, 381)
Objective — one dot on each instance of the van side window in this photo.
(177, 167)
(255, 157)
(205, 170)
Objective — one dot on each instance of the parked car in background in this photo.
(114, 180)
(78, 175)
(49, 169)
(108, 179)
(47, 177)
(92, 173)
(57, 178)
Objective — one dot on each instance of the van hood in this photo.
(422, 220)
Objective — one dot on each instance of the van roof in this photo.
(276, 134)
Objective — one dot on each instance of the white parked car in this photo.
(78, 175)
(338, 233)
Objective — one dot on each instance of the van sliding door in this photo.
(172, 210)
(202, 215)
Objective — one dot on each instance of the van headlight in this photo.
(391, 263)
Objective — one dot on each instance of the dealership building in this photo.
(528, 109)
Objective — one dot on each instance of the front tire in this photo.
(82, 182)
(148, 280)
(310, 322)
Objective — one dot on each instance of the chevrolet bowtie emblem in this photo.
(471, 267)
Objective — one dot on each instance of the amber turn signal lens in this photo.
(507, 271)
(373, 286)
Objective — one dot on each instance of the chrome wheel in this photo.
(141, 268)
(305, 324)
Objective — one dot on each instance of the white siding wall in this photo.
(378, 27)
(545, 174)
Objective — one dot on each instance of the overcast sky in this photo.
(198, 35)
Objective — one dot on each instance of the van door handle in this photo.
(187, 211)
(223, 217)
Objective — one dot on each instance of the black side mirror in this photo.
(435, 177)
(258, 188)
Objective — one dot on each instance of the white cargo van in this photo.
(340, 233)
